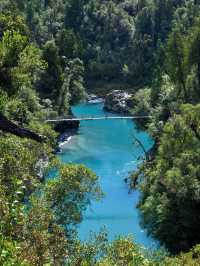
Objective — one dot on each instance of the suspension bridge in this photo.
(89, 118)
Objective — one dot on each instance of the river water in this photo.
(107, 147)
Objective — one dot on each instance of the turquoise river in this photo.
(108, 148)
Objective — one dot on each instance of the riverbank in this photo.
(102, 88)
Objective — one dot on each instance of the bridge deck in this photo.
(95, 118)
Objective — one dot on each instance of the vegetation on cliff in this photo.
(50, 51)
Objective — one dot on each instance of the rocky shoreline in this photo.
(92, 98)
(64, 138)
(118, 101)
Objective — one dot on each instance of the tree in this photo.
(12, 44)
(70, 194)
(194, 54)
(44, 242)
(76, 86)
(177, 63)
(70, 45)
(171, 181)
(74, 14)
(51, 79)
(64, 95)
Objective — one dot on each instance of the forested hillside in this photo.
(51, 53)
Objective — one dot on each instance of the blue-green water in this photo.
(107, 147)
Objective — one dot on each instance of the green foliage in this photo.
(172, 182)
(76, 85)
(11, 45)
(29, 67)
(9, 253)
(124, 252)
(19, 176)
(164, 104)
(62, 84)
(16, 110)
(74, 13)
(45, 241)
(13, 22)
(44, 66)
(169, 200)
(70, 45)
(108, 38)
(98, 252)
(194, 54)
(141, 102)
(52, 78)
(3, 100)
(177, 64)
(71, 193)
(191, 258)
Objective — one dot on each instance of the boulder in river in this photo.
(117, 101)
(92, 98)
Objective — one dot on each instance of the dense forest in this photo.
(51, 53)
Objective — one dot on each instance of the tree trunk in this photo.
(10, 127)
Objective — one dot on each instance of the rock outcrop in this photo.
(92, 98)
(64, 126)
(117, 101)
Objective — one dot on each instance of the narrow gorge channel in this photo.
(107, 147)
